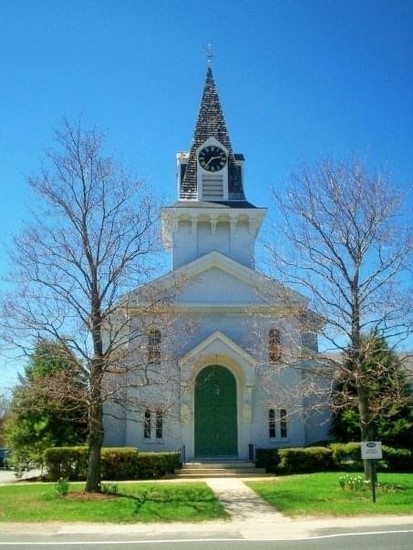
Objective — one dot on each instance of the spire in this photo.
(211, 123)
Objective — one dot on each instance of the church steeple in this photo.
(211, 131)
(211, 214)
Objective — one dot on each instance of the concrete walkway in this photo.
(241, 502)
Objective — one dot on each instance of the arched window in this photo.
(147, 424)
(159, 425)
(154, 346)
(283, 423)
(274, 345)
(271, 423)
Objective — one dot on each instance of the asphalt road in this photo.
(387, 538)
(232, 537)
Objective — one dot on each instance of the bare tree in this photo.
(346, 245)
(91, 241)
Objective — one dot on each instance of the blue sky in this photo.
(297, 79)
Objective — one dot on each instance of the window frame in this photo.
(154, 346)
(159, 424)
(147, 424)
(274, 345)
(283, 423)
(277, 424)
(272, 424)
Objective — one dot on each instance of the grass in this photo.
(312, 495)
(320, 495)
(133, 503)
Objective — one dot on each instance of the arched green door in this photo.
(215, 413)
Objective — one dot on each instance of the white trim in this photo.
(212, 340)
(258, 281)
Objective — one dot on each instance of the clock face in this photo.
(212, 158)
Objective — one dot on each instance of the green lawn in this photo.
(320, 495)
(317, 495)
(134, 502)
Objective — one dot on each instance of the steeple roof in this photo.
(211, 123)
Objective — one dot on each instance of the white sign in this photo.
(371, 449)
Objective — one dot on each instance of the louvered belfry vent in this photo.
(213, 188)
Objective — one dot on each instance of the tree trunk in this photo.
(95, 445)
(357, 358)
(96, 432)
(365, 429)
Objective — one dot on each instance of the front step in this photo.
(193, 470)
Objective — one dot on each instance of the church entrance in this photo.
(215, 413)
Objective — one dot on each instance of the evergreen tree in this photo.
(41, 414)
(385, 386)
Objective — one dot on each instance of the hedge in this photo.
(156, 465)
(65, 463)
(347, 455)
(334, 456)
(295, 459)
(122, 463)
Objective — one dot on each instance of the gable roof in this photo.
(267, 288)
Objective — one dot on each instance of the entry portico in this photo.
(217, 399)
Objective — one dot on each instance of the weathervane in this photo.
(210, 54)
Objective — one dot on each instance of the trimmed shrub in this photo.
(346, 455)
(338, 456)
(122, 463)
(157, 465)
(268, 459)
(65, 463)
(293, 460)
(300, 460)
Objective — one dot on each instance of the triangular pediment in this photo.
(218, 281)
(218, 344)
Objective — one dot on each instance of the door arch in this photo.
(215, 413)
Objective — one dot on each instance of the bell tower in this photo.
(211, 213)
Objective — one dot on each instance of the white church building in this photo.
(242, 372)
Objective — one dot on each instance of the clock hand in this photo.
(210, 160)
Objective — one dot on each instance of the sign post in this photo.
(371, 450)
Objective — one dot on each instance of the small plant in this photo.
(352, 482)
(62, 486)
(110, 489)
(389, 487)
